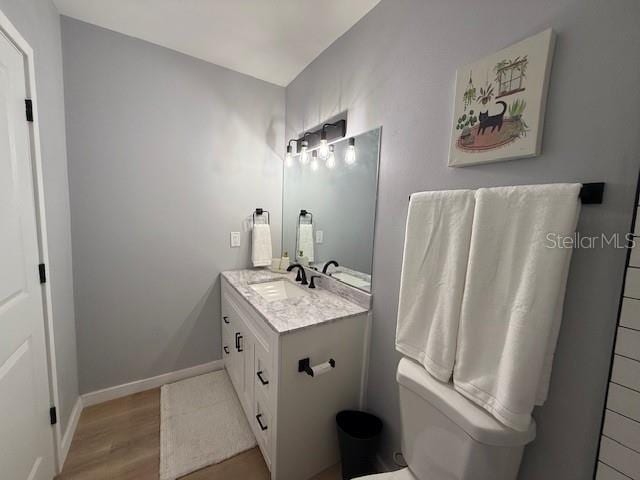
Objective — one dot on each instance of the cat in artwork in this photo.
(493, 121)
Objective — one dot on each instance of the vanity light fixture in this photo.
(304, 152)
(350, 155)
(316, 141)
(331, 158)
(328, 133)
(314, 160)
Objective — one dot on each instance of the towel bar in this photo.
(590, 193)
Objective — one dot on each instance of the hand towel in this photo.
(513, 297)
(433, 272)
(261, 245)
(305, 241)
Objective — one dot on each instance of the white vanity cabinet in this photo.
(292, 414)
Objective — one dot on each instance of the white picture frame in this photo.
(499, 103)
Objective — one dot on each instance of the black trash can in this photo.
(358, 436)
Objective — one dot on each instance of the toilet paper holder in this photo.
(304, 365)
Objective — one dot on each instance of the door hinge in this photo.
(53, 415)
(42, 271)
(28, 104)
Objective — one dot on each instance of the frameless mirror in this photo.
(329, 207)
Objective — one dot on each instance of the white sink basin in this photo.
(278, 290)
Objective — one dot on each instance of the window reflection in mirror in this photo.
(329, 210)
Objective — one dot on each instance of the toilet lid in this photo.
(477, 422)
(404, 474)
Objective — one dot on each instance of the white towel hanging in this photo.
(305, 241)
(433, 273)
(261, 247)
(513, 297)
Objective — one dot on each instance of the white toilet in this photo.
(447, 437)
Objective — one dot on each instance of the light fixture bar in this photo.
(328, 131)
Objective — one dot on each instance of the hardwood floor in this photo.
(120, 440)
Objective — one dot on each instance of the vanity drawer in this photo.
(232, 326)
(263, 373)
(227, 313)
(262, 426)
(227, 344)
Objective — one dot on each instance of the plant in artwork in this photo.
(467, 120)
(516, 108)
(465, 123)
(515, 115)
(486, 94)
(469, 94)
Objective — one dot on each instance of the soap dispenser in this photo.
(284, 261)
(304, 261)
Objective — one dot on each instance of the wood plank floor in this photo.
(120, 440)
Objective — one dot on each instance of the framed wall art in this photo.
(500, 103)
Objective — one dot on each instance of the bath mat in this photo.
(201, 423)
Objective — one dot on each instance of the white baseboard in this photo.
(72, 424)
(137, 386)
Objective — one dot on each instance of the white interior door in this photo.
(26, 436)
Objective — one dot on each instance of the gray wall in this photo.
(396, 68)
(167, 155)
(342, 203)
(39, 23)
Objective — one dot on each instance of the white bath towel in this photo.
(305, 241)
(436, 247)
(514, 292)
(261, 249)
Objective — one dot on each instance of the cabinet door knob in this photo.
(262, 380)
(262, 427)
(226, 319)
(226, 349)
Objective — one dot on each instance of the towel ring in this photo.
(305, 213)
(259, 213)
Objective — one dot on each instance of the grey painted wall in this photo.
(39, 23)
(341, 200)
(396, 68)
(167, 155)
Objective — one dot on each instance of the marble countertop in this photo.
(288, 315)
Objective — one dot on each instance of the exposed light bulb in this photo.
(314, 161)
(323, 151)
(331, 159)
(350, 155)
(288, 158)
(304, 153)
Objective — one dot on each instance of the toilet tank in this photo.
(447, 437)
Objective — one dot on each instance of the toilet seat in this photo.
(404, 474)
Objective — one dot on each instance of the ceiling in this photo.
(273, 40)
